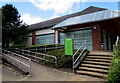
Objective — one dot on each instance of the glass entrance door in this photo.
(104, 41)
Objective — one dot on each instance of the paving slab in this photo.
(43, 73)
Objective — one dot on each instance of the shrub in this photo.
(114, 71)
(62, 60)
(47, 45)
(18, 46)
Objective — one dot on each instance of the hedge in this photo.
(63, 61)
(17, 46)
(114, 71)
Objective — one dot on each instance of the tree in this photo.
(13, 30)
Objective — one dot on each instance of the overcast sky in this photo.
(34, 11)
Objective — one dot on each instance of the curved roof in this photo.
(53, 22)
(92, 17)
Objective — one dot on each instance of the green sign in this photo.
(69, 46)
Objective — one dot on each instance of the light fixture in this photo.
(94, 27)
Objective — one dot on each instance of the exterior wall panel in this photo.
(44, 31)
(28, 42)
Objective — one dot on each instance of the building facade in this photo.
(98, 26)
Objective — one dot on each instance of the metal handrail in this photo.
(75, 60)
(48, 48)
(38, 53)
(79, 48)
(117, 40)
(43, 47)
(29, 66)
(79, 55)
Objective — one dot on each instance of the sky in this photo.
(35, 11)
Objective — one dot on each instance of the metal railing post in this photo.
(73, 57)
(73, 64)
(30, 67)
(117, 40)
(56, 46)
(45, 48)
(36, 54)
(9, 55)
(28, 54)
(36, 48)
(29, 48)
(55, 62)
(20, 63)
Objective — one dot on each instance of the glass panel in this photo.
(73, 21)
(102, 15)
(114, 14)
(108, 14)
(91, 17)
(77, 20)
(97, 14)
(88, 18)
(45, 39)
(79, 37)
(68, 22)
(85, 18)
(62, 37)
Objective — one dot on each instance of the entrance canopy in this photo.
(87, 18)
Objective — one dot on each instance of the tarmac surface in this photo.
(43, 73)
(0, 72)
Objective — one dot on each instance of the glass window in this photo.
(79, 37)
(45, 39)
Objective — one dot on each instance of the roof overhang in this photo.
(88, 19)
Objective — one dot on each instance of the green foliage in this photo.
(117, 50)
(114, 71)
(18, 46)
(13, 30)
(48, 45)
(62, 60)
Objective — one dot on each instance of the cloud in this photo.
(28, 19)
(58, 6)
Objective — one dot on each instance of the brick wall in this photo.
(96, 38)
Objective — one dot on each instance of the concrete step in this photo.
(100, 63)
(95, 74)
(99, 57)
(93, 69)
(95, 66)
(101, 53)
(98, 60)
(96, 63)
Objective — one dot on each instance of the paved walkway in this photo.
(0, 72)
(42, 73)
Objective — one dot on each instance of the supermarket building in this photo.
(98, 26)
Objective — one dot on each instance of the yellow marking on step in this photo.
(23, 79)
